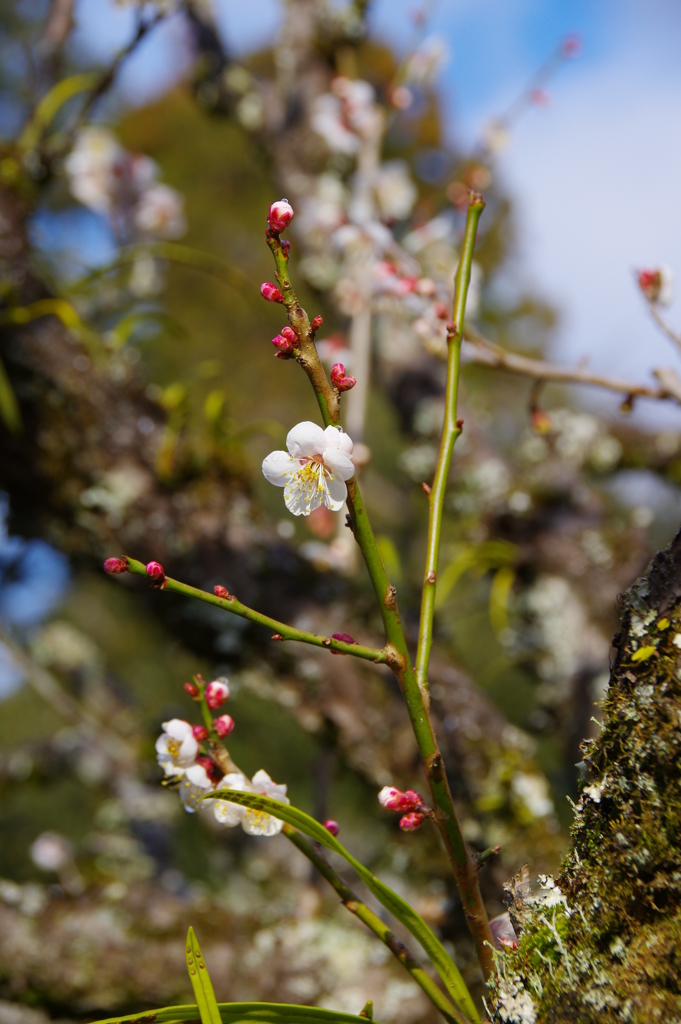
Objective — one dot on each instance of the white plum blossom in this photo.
(123, 187)
(194, 785)
(256, 823)
(395, 192)
(176, 748)
(159, 213)
(314, 469)
(51, 851)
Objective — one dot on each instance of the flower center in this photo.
(173, 747)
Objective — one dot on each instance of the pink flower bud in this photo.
(332, 826)
(270, 292)
(440, 310)
(283, 346)
(216, 693)
(221, 591)
(192, 690)
(571, 45)
(155, 570)
(290, 335)
(317, 323)
(212, 771)
(339, 380)
(115, 565)
(223, 725)
(199, 732)
(344, 637)
(280, 216)
(394, 799)
(410, 822)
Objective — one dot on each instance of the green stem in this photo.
(284, 631)
(451, 430)
(396, 651)
(354, 904)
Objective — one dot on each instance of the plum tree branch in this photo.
(282, 631)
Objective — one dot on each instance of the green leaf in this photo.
(201, 983)
(443, 963)
(242, 1013)
(52, 103)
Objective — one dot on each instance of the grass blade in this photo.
(201, 983)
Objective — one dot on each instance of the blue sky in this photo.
(595, 175)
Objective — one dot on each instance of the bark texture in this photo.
(603, 942)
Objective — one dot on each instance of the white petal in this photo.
(306, 490)
(278, 466)
(188, 750)
(162, 744)
(235, 780)
(177, 728)
(263, 784)
(336, 493)
(198, 776)
(339, 463)
(170, 767)
(336, 438)
(258, 823)
(305, 439)
(227, 813)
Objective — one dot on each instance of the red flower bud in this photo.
(280, 216)
(115, 565)
(440, 310)
(332, 826)
(192, 690)
(339, 380)
(283, 346)
(270, 292)
(541, 421)
(221, 591)
(155, 570)
(571, 45)
(212, 771)
(410, 822)
(394, 799)
(223, 725)
(317, 323)
(199, 732)
(216, 693)
(345, 637)
(290, 335)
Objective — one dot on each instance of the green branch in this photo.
(451, 430)
(281, 630)
(354, 904)
(396, 651)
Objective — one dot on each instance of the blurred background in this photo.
(139, 394)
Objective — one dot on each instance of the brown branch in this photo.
(483, 352)
(664, 326)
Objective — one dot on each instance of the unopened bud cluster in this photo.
(339, 378)
(657, 285)
(408, 803)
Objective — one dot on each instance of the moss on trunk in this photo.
(603, 942)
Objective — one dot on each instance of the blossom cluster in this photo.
(408, 803)
(189, 756)
(124, 188)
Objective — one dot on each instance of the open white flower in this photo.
(314, 469)
(194, 785)
(256, 823)
(176, 747)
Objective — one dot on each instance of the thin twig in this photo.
(663, 325)
(282, 631)
(483, 352)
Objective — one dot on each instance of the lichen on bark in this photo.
(603, 943)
